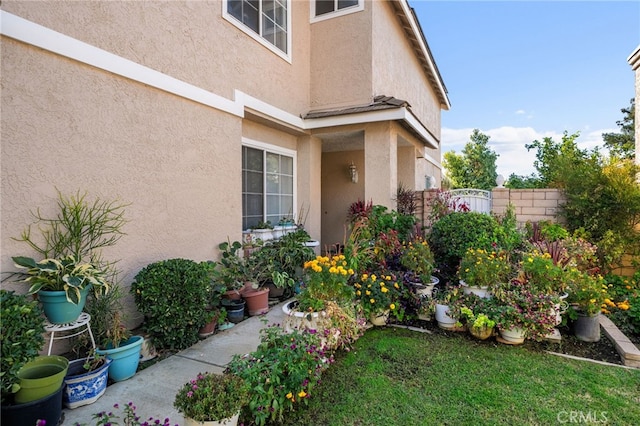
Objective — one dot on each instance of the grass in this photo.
(401, 377)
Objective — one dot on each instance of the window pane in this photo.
(286, 205)
(273, 205)
(286, 185)
(273, 163)
(281, 39)
(346, 3)
(280, 13)
(253, 159)
(252, 182)
(234, 8)
(250, 14)
(324, 6)
(286, 165)
(254, 205)
(273, 184)
(268, 30)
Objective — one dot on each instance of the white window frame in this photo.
(346, 11)
(274, 149)
(256, 36)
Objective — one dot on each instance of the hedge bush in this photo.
(452, 235)
(173, 296)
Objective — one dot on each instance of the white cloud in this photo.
(520, 112)
(509, 143)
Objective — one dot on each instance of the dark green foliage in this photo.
(382, 221)
(173, 296)
(21, 337)
(475, 167)
(452, 235)
(286, 254)
(623, 144)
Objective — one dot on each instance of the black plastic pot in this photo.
(235, 310)
(48, 408)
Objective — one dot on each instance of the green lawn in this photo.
(401, 377)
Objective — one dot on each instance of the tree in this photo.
(475, 167)
(623, 144)
(523, 182)
(554, 159)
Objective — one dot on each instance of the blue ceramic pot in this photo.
(58, 309)
(125, 357)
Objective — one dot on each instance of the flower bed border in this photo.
(628, 352)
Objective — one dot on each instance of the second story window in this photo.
(323, 7)
(266, 18)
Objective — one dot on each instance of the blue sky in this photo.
(523, 70)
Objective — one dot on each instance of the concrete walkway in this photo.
(153, 389)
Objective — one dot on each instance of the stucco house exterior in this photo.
(634, 61)
(207, 116)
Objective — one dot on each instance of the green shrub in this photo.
(21, 336)
(173, 296)
(456, 232)
(282, 372)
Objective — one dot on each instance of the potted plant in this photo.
(524, 313)
(122, 348)
(379, 296)
(284, 369)
(587, 293)
(417, 259)
(263, 230)
(230, 270)
(444, 299)
(326, 303)
(212, 399)
(86, 380)
(62, 285)
(478, 314)
(481, 269)
(21, 333)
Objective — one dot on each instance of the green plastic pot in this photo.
(41, 377)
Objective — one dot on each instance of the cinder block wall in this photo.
(531, 205)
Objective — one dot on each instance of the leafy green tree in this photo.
(623, 144)
(523, 182)
(475, 167)
(554, 159)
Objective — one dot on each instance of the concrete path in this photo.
(153, 389)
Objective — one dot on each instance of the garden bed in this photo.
(604, 350)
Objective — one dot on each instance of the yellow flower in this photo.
(289, 395)
(392, 306)
(302, 394)
(396, 285)
(384, 289)
(372, 300)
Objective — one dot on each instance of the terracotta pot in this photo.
(257, 301)
(232, 295)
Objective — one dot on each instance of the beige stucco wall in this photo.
(341, 53)
(338, 192)
(73, 128)
(396, 70)
(634, 61)
(188, 40)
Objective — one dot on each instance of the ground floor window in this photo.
(267, 185)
